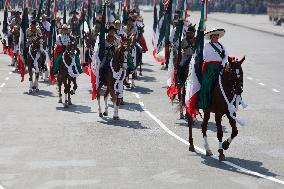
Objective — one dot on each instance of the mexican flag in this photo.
(22, 41)
(194, 83)
(99, 55)
(184, 9)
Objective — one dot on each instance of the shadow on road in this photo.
(141, 90)
(40, 94)
(147, 79)
(122, 123)
(255, 166)
(78, 109)
(130, 106)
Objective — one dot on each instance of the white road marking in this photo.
(163, 126)
(137, 95)
(2, 85)
(262, 84)
(10, 73)
(249, 78)
(7, 78)
(275, 90)
(1, 187)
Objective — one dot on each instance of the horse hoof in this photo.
(115, 118)
(209, 153)
(60, 101)
(101, 115)
(105, 114)
(222, 157)
(70, 103)
(34, 87)
(37, 90)
(191, 148)
(30, 91)
(225, 145)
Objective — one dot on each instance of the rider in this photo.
(188, 45)
(215, 57)
(62, 41)
(74, 23)
(119, 31)
(32, 32)
(16, 21)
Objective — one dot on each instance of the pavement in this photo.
(255, 22)
(45, 146)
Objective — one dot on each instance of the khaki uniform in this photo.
(32, 35)
(129, 31)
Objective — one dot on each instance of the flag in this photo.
(98, 56)
(22, 41)
(54, 9)
(64, 13)
(194, 83)
(175, 59)
(184, 9)
(48, 8)
(39, 10)
(75, 5)
(5, 21)
(126, 5)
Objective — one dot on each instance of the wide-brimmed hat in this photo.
(130, 18)
(65, 26)
(111, 27)
(220, 32)
(18, 11)
(33, 21)
(74, 11)
(191, 28)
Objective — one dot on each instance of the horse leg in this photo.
(99, 102)
(190, 137)
(66, 93)
(59, 89)
(204, 130)
(72, 92)
(180, 106)
(69, 91)
(30, 79)
(218, 120)
(36, 82)
(140, 66)
(132, 79)
(234, 133)
(106, 104)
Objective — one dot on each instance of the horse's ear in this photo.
(242, 60)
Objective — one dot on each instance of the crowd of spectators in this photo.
(234, 6)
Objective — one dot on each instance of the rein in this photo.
(71, 66)
(237, 99)
(35, 60)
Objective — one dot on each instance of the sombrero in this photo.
(220, 32)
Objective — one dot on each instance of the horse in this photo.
(35, 59)
(114, 76)
(15, 46)
(226, 95)
(68, 72)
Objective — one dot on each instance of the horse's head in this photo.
(234, 73)
(90, 40)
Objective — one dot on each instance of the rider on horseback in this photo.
(215, 57)
(62, 42)
(32, 33)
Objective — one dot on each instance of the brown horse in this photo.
(35, 59)
(228, 86)
(15, 46)
(114, 77)
(68, 73)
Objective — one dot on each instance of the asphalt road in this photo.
(44, 146)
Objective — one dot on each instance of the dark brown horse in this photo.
(68, 73)
(114, 77)
(226, 96)
(35, 60)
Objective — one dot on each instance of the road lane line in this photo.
(262, 84)
(137, 95)
(275, 90)
(10, 73)
(249, 78)
(7, 78)
(1, 187)
(241, 169)
(2, 85)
